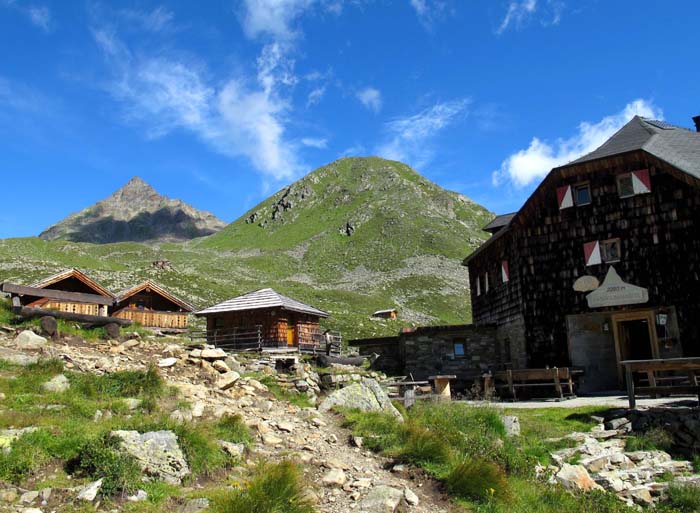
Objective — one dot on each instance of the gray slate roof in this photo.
(678, 146)
(499, 222)
(259, 299)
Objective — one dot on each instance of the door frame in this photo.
(638, 315)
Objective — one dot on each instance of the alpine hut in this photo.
(152, 306)
(71, 280)
(264, 319)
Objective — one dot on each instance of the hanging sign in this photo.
(586, 283)
(615, 292)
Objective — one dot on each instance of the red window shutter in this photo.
(564, 197)
(505, 272)
(641, 181)
(591, 253)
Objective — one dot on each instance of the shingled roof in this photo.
(259, 299)
(499, 222)
(72, 273)
(158, 289)
(678, 146)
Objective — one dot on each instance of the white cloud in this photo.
(533, 163)
(272, 17)
(409, 137)
(518, 12)
(238, 118)
(370, 98)
(428, 11)
(40, 16)
(315, 96)
(157, 20)
(315, 142)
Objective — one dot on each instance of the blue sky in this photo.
(221, 103)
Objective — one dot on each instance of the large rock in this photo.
(157, 452)
(575, 478)
(90, 491)
(365, 396)
(227, 380)
(382, 499)
(512, 425)
(49, 325)
(30, 341)
(213, 354)
(194, 506)
(57, 384)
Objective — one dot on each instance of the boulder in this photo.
(157, 452)
(227, 380)
(365, 396)
(29, 341)
(49, 326)
(90, 491)
(221, 366)
(213, 354)
(57, 384)
(410, 497)
(113, 330)
(512, 425)
(233, 450)
(382, 499)
(575, 478)
(194, 506)
(22, 360)
(167, 362)
(335, 477)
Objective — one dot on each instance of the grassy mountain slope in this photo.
(352, 237)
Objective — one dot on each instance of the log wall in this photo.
(154, 319)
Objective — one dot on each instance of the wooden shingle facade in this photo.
(152, 306)
(629, 211)
(71, 280)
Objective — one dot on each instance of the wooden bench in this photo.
(406, 390)
(690, 367)
(559, 378)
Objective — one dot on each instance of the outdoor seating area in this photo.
(561, 380)
(672, 376)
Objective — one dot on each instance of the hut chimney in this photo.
(696, 120)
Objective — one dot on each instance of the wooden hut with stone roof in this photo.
(264, 319)
(152, 306)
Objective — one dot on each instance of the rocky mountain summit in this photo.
(136, 212)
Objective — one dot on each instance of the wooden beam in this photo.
(95, 320)
(78, 297)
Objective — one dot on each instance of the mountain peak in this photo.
(135, 212)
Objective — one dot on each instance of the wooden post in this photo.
(442, 387)
(557, 383)
(409, 397)
(488, 386)
(630, 386)
(511, 388)
(692, 378)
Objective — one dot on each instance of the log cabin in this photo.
(152, 306)
(264, 319)
(389, 313)
(71, 280)
(602, 262)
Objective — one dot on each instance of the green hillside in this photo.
(355, 236)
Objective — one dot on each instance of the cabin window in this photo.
(478, 285)
(582, 194)
(505, 271)
(458, 349)
(611, 250)
(486, 282)
(218, 323)
(625, 186)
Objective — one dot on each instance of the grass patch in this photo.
(101, 458)
(119, 384)
(682, 498)
(273, 488)
(282, 394)
(651, 440)
(478, 480)
(232, 428)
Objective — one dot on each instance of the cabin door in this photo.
(290, 335)
(635, 337)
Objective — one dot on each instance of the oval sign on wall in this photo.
(586, 284)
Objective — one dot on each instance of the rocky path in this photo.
(342, 475)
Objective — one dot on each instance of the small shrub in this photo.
(684, 498)
(119, 384)
(274, 488)
(159, 491)
(478, 480)
(25, 456)
(650, 440)
(423, 446)
(201, 451)
(101, 458)
(232, 428)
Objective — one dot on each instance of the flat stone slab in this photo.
(157, 452)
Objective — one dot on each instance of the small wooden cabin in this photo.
(390, 313)
(71, 280)
(264, 318)
(152, 306)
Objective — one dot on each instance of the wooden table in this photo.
(441, 384)
(691, 366)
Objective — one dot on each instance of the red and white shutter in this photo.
(505, 272)
(565, 198)
(591, 251)
(641, 181)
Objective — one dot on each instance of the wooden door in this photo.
(632, 329)
(290, 336)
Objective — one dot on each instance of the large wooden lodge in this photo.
(602, 262)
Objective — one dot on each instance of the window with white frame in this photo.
(610, 251)
(486, 282)
(478, 285)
